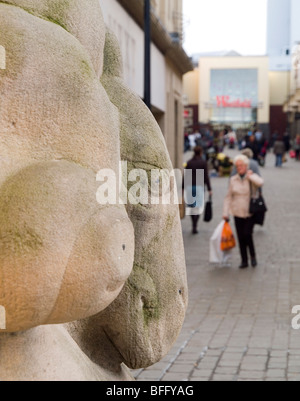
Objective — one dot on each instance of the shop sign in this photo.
(225, 101)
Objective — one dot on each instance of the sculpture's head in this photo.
(65, 115)
(63, 256)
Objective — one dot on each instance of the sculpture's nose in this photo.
(98, 267)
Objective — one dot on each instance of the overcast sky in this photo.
(214, 25)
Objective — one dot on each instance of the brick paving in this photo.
(238, 323)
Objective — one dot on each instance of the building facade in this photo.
(283, 32)
(279, 92)
(170, 14)
(292, 103)
(230, 91)
(169, 62)
(280, 81)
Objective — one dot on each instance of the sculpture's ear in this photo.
(62, 256)
(113, 61)
(140, 136)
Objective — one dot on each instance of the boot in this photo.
(253, 262)
(244, 265)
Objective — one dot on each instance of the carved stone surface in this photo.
(88, 289)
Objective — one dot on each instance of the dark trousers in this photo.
(195, 220)
(244, 229)
(279, 159)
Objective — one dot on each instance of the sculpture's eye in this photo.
(124, 247)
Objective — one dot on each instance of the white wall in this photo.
(158, 79)
(131, 39)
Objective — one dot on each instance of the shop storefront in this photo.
(233, 96)
(233, 91)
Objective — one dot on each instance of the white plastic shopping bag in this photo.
(216, 255)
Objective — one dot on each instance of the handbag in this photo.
(257, 207)
(208, 212)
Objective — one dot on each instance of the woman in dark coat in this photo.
(193, 188)
(279, 151)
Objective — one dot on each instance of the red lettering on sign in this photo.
(224, 101)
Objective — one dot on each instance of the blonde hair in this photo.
(242, 158)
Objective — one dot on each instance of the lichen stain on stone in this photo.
(142, 286)
(19, 241)
(86, 69)
(56, 11)
(54, 21)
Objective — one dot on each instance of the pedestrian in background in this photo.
(237, 202)
(279, 151)
(287, 141)
(232, 139)
(254, 146)
(197, 163)
(274, 138)
(186, 142)
(221, 141)
(263, 154)
(297, 147)
(287, 145)
(193, 138)
(253, 164)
